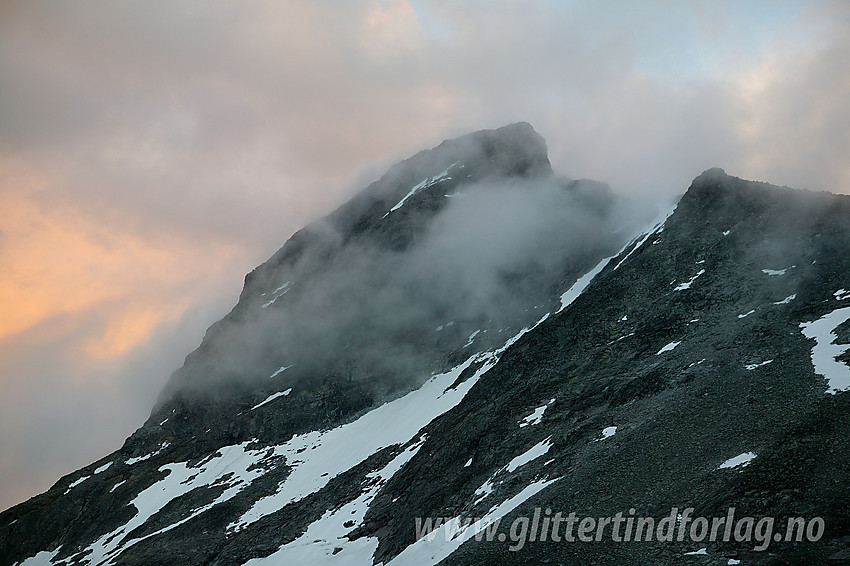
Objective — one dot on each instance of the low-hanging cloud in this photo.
(364, 309)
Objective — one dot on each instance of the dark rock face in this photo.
(731, 384)
(426, 352)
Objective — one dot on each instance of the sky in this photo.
(151, 154)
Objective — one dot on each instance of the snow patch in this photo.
(656, 227)
(786, 300)
(684, 286)
(485, 489)
(751, 367)
(471, 338)
(74, 484)
(277, 293)
(138, 459)
(423, 185)
(442, 542)
(102, 468)
(325, 541)
(607, 432)
(746, 314)
(319, 456)
(535, 417)
(536, 451)
(578, 287)
(841, 294)
(701, 552)
(271, 398)
(315, 459)
(279, 371)
(43, 558)
(620, 338)
(825, 350)
(774, 272)
(581, 284)
(669, 347)
(232, 466)
(532, 453)
(741, 460)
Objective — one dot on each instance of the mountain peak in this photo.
(725, 197)
(432, 207)
(513, 150)
(711, 175)
(463, 339)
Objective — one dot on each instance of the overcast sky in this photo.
(151, 154)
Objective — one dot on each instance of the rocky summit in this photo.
(476, 361)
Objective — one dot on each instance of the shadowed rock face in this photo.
(416, 355)
(474, 236)
(366, 234)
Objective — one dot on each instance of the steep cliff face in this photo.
(447, 256)
(691, 348)
(356, 246)
(472, 337)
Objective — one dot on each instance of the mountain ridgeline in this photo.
(473, 337)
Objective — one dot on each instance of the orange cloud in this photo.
(132, 325)
(58, 261)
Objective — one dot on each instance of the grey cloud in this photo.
(493, 243)
(59, 413)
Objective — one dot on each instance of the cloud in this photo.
(385, 307)
(795, 125)
(57, 260)
(63, 408)
(150, 156)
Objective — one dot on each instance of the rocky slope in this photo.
(473, 337)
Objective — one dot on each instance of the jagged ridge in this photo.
(685, 350)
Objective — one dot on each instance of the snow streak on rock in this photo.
(317, 457)
(271, 398)
(684, 286)
(669, 347)
(276, 294)
(535, 417)
(325, 541)
(607, 432)
(444, 176)
(532, 453)
(581, 284)
(739, 461)
(656, 227)
(43, 558)
(451, 535)
(234, 467)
